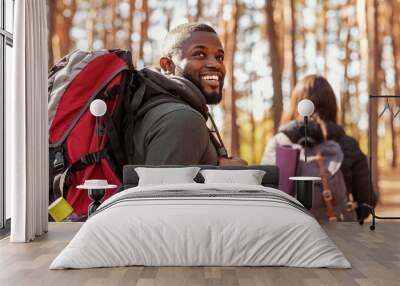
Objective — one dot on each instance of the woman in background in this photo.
(354, 166)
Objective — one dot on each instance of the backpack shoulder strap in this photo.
(326, 192)
(218, 143)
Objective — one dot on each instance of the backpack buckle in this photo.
(58, 162)
(89, 159)
(93, 158)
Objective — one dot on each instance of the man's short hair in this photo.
(172, 45)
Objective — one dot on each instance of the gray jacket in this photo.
(171, 126)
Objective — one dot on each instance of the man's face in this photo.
(202, 62)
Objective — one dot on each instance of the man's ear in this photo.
(167, 65)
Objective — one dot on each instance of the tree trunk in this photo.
(199, 10)
(91, 23)
(253, 124)
(253, 143)
(168, 14)
(344, 102)
(61, 39)
(51, 23)
(105, 19)
(231, 129)
(324, 35)
(222, 24)
(144, 26)
(290, 40)
(113, 5)
(276, 64)
(373, 84)
(395, 35)
(130, 23)
(189, 15)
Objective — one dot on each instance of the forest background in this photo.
(269, 45)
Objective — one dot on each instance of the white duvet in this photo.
(206, 230)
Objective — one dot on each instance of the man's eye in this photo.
(199, 54)
(220, 58)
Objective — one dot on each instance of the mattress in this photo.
(201, 225)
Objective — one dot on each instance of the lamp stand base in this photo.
(96, 195)
(304, 193)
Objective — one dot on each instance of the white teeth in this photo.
(210, 77)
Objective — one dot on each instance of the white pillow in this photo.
(248, 177)
(164, 176)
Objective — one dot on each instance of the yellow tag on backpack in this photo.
(60, 209)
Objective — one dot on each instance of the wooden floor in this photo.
(375, 256)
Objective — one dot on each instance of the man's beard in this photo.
(212, 97)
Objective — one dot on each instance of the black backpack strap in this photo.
(110, 94)
(137, 98)
(63, 180)
(113, 139)
(218, 143)
(132, 109)
(88, 159)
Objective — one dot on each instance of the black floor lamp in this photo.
(97, 188)
(306, 109)
(304, 185)
(98, 108)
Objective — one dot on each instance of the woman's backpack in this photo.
(74, 82)
(331, 201)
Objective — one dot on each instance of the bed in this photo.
(201, 224)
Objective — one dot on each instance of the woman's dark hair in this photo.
(317, 89)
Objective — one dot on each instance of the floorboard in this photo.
(374, 255)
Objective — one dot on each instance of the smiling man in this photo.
(171, 125)
(194, 51)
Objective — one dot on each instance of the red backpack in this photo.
(74, 82)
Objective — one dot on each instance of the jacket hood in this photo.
(175, 88)
(295, 131)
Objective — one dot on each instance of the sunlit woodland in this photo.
(269, 45)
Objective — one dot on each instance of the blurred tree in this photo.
(91, 23)
(168, 12)
(276, 61)
(61, 14)
(230, 26)
(199, 10)
(290, 40)
(394, 16)
(374, 59)
(222, 24)
(130, 22)
(144, 26)
(113, 36)
(324, 35)
(344, 101)
(347, 24)
(51, 23)
(301, 39)
(253, 127)
(105, 23)
(189, 15)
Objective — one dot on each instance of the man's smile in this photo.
(212, 80)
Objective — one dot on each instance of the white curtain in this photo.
(26, 123)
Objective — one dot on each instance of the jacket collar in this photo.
(177, 87)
